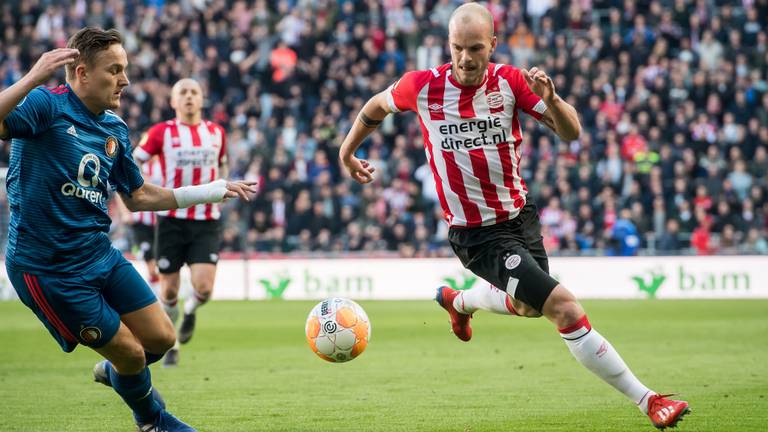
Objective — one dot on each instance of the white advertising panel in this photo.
(416, 279)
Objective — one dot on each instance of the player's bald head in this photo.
(187, 100)
(186, 83)
(472, 17)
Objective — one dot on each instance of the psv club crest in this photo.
(495, 99)
(110, 146)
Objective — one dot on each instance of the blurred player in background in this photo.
(143, 225)
(68, 152)
(468, 111)
(192, 151)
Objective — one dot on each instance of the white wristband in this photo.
(212, 192)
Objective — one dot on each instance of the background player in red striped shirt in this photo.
(192, 151)
(143, 224)
(468, 113)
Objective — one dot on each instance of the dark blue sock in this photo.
(136, 391)
(155, 393)
(151, 357)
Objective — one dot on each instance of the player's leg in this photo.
(485, 297)
(75, 311)
(153, 276)
(130, 377)
(169, 294)
(202, 256)
(203, 277)
(144, 329)
(488, 252)
(172, 241)
(595, 353)
(169, 298)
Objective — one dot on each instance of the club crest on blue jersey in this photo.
(90, 335)
(110, 146)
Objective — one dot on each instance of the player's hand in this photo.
(240, 189)
(359, 169)
(540, 83)
(49, 62)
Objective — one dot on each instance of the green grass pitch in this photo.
(248, 368)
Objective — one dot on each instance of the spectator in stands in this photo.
(680, 86)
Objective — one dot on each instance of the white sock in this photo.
(597, 354)
(194, 302)
(484, 297)
(172, 309)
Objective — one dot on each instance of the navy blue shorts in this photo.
(84, 308)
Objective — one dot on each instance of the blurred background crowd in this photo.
(672, 94)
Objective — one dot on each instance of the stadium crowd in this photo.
(673, 98)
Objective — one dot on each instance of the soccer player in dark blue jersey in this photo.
(68, 152)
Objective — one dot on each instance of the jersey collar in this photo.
(83, 108)
(456, 84)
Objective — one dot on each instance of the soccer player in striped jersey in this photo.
(143, 225)
(192, 152)
(468, 110)
(68, 152)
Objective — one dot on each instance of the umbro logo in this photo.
(602, 350)
(435, 107)
(72, 131)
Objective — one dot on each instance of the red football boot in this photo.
(459, 321)
(665, 412)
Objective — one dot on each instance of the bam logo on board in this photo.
(330, 286)
(462, 281)
(275, 287)
(684, 281)
(318, 285)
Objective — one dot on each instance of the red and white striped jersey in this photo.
(189, 155)
(472, 139)
(152, 173)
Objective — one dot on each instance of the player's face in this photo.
(471, 48)
(187, 98)
(107, 76)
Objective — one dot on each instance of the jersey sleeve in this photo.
(33, 115)
(525, 98)
(126, 176)
(403, 94)
(151, 143)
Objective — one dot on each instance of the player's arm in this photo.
(149, 197)
(559, 116)
(39, 74)
(122, 210)
(369, 118)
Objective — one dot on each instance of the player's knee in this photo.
(131, 361)
(169, 283)
(203, 288)
(562, 307)
(525, 310)
(161, 341)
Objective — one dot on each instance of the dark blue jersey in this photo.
(64, 162)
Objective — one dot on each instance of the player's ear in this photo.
(81, 72)
(493, 44)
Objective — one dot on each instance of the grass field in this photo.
(248, 368)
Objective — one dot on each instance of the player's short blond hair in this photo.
(469, 12)
(178, 84)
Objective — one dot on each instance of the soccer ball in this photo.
(338, 330)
